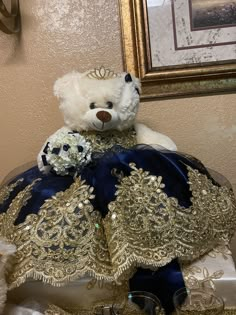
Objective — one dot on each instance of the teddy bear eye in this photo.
(92, 105)
(109, 105)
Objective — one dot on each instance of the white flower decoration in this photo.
(67, 152)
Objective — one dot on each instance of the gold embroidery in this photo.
(223, 250)
(206, 283)
(55, 310)
(68, 239)
(102, 141)
(63, 242)
(6, 190)
(7, 219)
(145, 227)
(103, 308)
(95, 307)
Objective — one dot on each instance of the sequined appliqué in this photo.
(64, 241)
(68, 239)
(6, 190)
(147, 228)
(105, 140)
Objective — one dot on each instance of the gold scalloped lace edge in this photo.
(68, 238)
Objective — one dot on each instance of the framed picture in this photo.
(180, 47)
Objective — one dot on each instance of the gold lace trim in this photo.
(191, 280)
(64, 241)
(54, 310)
(101, 141)
(6, 190)
(223, 250)
(202, 277)
(147, 228)
(130, 310)
(7, 219)
(95, 307)
(68, 239)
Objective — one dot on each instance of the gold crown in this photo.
(102, 74)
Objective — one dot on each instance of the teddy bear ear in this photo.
(63, 84)
(131, 78)
(137, 84)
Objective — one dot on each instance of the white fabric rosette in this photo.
(67, 152)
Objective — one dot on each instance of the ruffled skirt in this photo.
(128, 210)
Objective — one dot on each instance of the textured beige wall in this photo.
(202, 126)
(61, 35)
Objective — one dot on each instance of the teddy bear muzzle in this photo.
(104, 116)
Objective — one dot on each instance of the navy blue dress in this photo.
(131, 214)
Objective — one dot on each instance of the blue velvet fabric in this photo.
(163, 283)
(170, 165)
(47, 187)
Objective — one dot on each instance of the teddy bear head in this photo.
(98, 99)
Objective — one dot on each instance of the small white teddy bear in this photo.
(97, 100)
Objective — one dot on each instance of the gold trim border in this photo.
(182, 82)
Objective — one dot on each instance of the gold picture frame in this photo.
(182, 81)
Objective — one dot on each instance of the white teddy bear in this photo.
(127, 205)
(97, 100)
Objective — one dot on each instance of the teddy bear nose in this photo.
(103, 116)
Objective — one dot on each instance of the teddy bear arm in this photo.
(146, 135)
